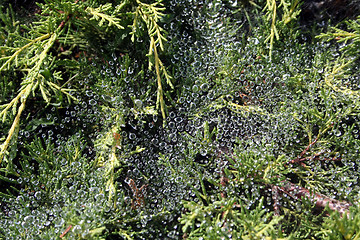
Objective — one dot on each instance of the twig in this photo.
(308, 147)
(275, 196)
(314, 157)
(296, 160)
(301, 159)
(138, 193)
(223, 181)
(320, 200)
(66, 231)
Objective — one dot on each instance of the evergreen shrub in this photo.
(179, 119)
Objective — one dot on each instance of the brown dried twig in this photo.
(138, 193)
(66, 231)
(320, 200)
(300, 159)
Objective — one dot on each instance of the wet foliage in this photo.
(179, 120)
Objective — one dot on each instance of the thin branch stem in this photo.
(23, 48)
(24, 95)
(160, 90)
(30, 84)
(320, 200)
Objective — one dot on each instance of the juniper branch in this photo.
(17, 53)
(97, 14)
(29, 85)
(151, 14)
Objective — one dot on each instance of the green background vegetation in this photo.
(179, 119)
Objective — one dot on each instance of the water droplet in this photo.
(132, 136)
(92, 102)
(195, 88)
(138, 103)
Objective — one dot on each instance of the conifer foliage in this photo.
(179, 119)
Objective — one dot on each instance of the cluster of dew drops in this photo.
(200, 42)
(163, 166)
